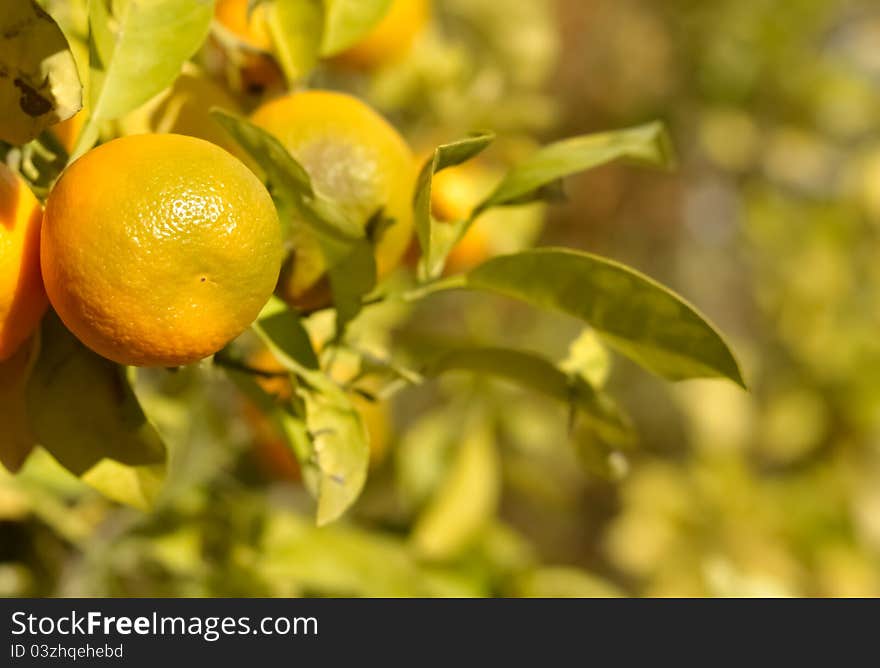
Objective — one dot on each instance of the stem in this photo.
(449, 283)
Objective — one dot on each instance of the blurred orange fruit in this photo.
(353, 156)
(169, 259)
(392, 38)
(474, 248)
(272, 454)
(22, 298)
(251, 27)
(455, 192)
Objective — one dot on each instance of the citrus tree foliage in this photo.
(40, 85)
(84, 413)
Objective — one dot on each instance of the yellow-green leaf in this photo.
(342, 453)
(589, 358)
(39, 85)
(347, 21)
(139, 47)
(532, 371)
(84, 412)
(283, 329)
(436, 240)
(466, 501)
(339, 451)
(645, 144)
(636, 315)
(348, 253)
(297, 27)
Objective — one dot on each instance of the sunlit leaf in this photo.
(39, 85)
(536, 373)
(437, 239)
(465, 502)
(633, 313)
(136, 486)
(647, 144)
(589, 358)
(283, 329)
(84, 412)
(16, 437)
(296, 27)
(139, 47)
(347, 21)
(342, 453)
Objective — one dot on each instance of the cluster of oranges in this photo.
(159, 247)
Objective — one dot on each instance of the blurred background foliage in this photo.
(770, 224)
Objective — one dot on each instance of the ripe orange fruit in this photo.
(258, 70)
(157, 250)
(250, 27)
(22, 298)
(392, 38)
(353, 156)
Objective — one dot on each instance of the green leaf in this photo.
(589, 358)
(348, 253)
(40, 85)
(84, 412)
(633, 313)
(139, 47)
(421, 456)
(466, 501)
(534, 372)
(297, 27)
(528, 181)
(347, 21)
(437, 239)
(289, 180)
(342, 452)
(282, 328)
(351, 266)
